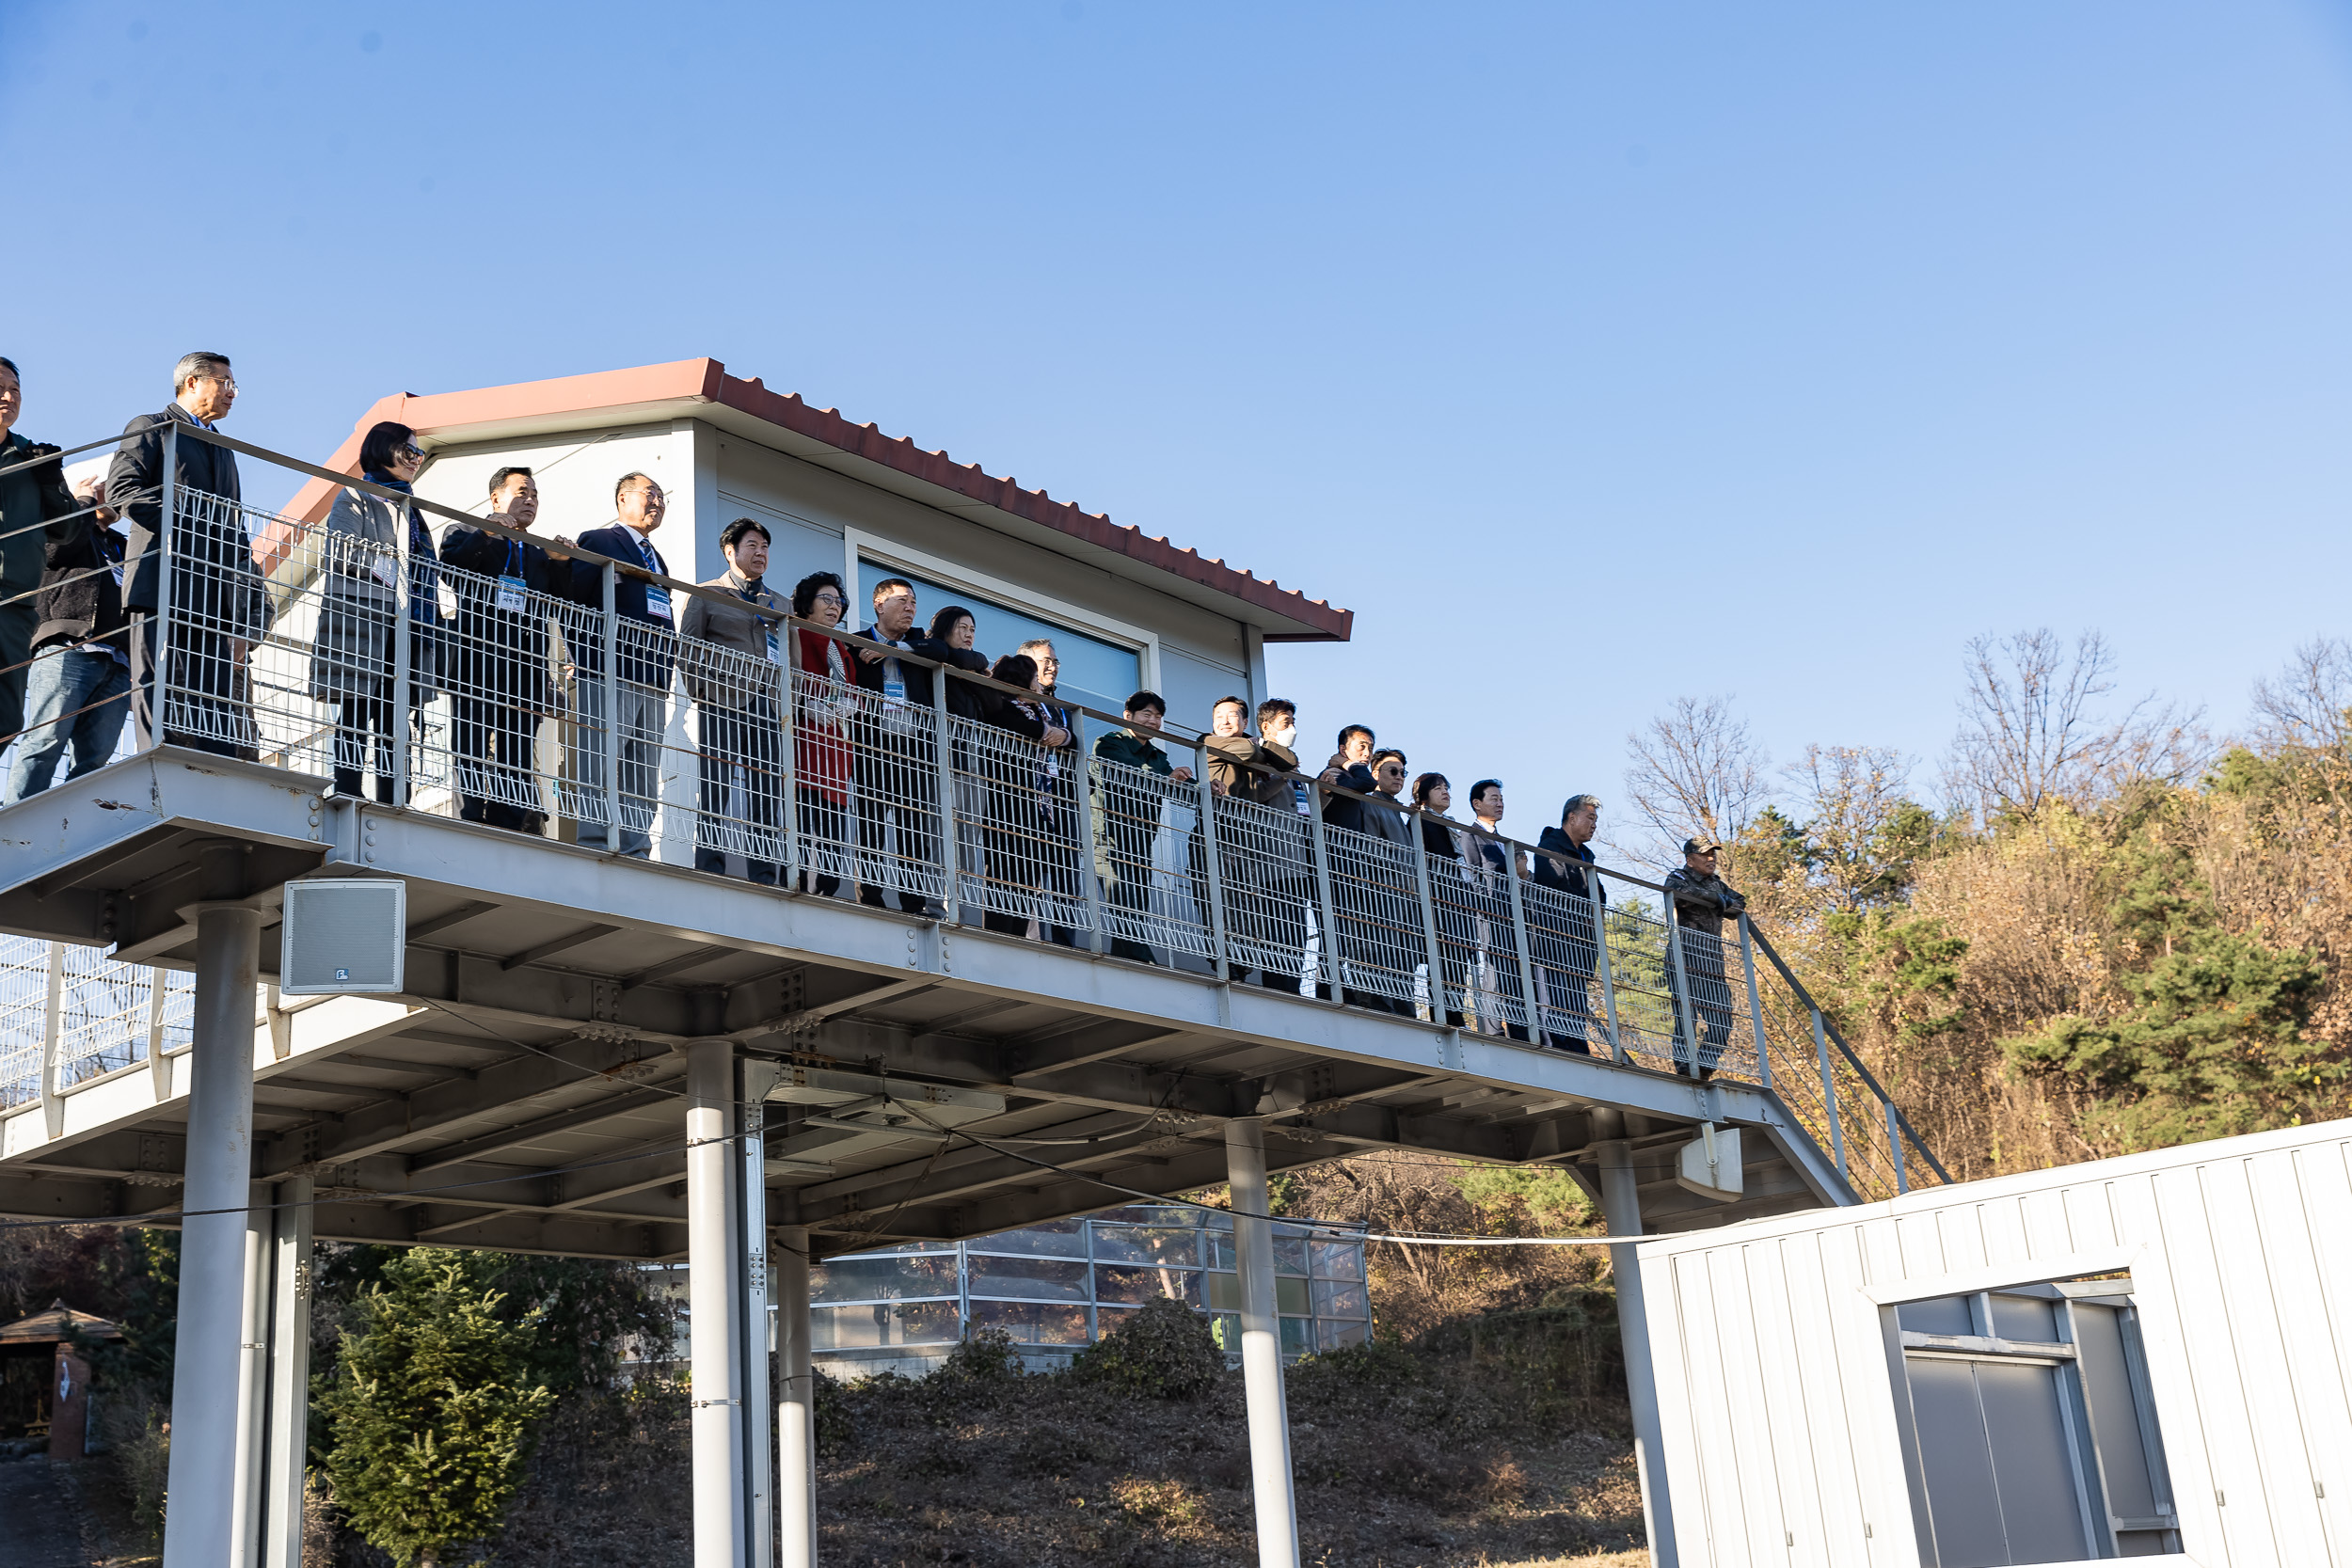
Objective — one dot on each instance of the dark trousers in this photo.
(1130, 886)
(741, 761)
(824, 825)
(497, 778)
(17, 625)
(365, 734)
(897, 780)
(1709, 1010)
(202, 703)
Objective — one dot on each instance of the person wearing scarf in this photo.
(362, 545)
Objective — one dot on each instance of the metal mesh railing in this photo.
(107, 1016)
(511, 682)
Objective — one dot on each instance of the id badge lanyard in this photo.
(510, 584)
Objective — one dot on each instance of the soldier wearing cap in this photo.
(1702, 899)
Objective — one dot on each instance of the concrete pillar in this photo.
(711, 1244)
(245, 1526)
(796, 1408)
(759, 1477)
(1262, 1346)
(1621, 1207)
(286, 1440)
(207, 1358)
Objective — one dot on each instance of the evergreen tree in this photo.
(432, 1413)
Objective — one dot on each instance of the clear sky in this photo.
(1594, 354)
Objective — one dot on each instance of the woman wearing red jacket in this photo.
(824, 696)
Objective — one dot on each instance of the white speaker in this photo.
(1709, 1163)
(344, 934)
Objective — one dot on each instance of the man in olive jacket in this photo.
(1265, 858)
(734, 666)
(31, 494)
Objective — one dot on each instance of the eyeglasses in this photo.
(227, 381)
(831, 598)
(410, 453)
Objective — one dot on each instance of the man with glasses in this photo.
(217, 604)
(897, 763)
(646, 640)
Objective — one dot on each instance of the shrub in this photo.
(1164, 1349)
(985, 1356)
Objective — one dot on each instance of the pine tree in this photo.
(432, 1413)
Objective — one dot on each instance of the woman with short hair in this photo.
(824, 699)
(354, 658)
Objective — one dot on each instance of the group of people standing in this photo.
(78, 656)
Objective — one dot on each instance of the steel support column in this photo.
(750, 1165)
(711, 1304)
(248, 1492)
(796, 1408)
(1621, 1206)
(286, 1438)
(207, 1358)
(1261, 1346)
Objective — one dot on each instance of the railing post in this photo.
(1829, 1096)
(1519, 934)
(52, 1054)
(158, 1065)
(1601, 969)
(950, 830)
(789, 764)
(1321, 841)
(1684, 1012)
(612, 741)
(1429, 921)
(159, 629)
(1082, 785)
(1209, 857)
(1894, 1147)
(404, 674)
(1755, 1007)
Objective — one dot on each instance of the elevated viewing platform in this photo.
(730, 933)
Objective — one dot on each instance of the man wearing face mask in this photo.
(646, 639)
(32, 493)
(218, 604)
(1361, 868)
(896, 763)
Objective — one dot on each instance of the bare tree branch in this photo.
(2032, 730)
(2308, 706)
(1850, 797)
(1695, 771)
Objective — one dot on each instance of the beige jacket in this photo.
(724, 649)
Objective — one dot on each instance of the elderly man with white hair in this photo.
(217, 605)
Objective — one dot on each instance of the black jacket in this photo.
(80, 601)
(980, 702)
(647, 647)
(31, 496)
(1345, 810)
(918, 676)
(1570, 877)
(134, 488)
(503, 653)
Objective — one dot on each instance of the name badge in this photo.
(775, 649)
(511, 591)
(895, 691)
(118, 572)
(658, 603)
(386, 571)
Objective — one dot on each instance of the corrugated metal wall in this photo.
(1777, 1374)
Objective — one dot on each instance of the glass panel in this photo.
(1227, 1327)
(1944, 1315)
(1093, 671)
(1134, 1243)
(2025, 1318)
(1221, 1254)
(1115, 1284)
(1339, 1298)
(1337, 1335)
(884, 1323)
(1224, 1292)
(1290, 1295)
(1962, 1499)
(891, 1278)
(2114, 1412)
(2040, 1511)
(1033, 1323)
(1290, 1254)
(899, 1251)
(1061, 1238)
(1298, 1337)
(1033, 1278)
(1338, 1260)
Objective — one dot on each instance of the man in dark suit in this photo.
(647, 642)
(32, 493)
(897, 763)
(217, 605)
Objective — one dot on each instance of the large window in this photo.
(2031, 1433)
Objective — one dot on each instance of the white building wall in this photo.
(1779, 1370)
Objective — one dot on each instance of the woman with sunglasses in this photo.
(354, 658)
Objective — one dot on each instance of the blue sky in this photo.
(1594, 354)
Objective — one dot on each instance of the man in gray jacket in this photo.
(733, 661)
(218, 606)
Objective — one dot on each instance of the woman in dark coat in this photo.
(354, 659)
(1449, 892)
(824, 700)
(982, 763)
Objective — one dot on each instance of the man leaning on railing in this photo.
(218, 605)
(31, 497)
(1267, 868)
(1562, 987)
(499, 680)
(645, 637)
(79, 692)
(1700, 901)
(737, 706)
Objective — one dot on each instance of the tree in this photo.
(2031, 729)
(1697, 771)
(432, 1413)
(1862, 833)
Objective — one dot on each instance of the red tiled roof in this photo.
(706, 381)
